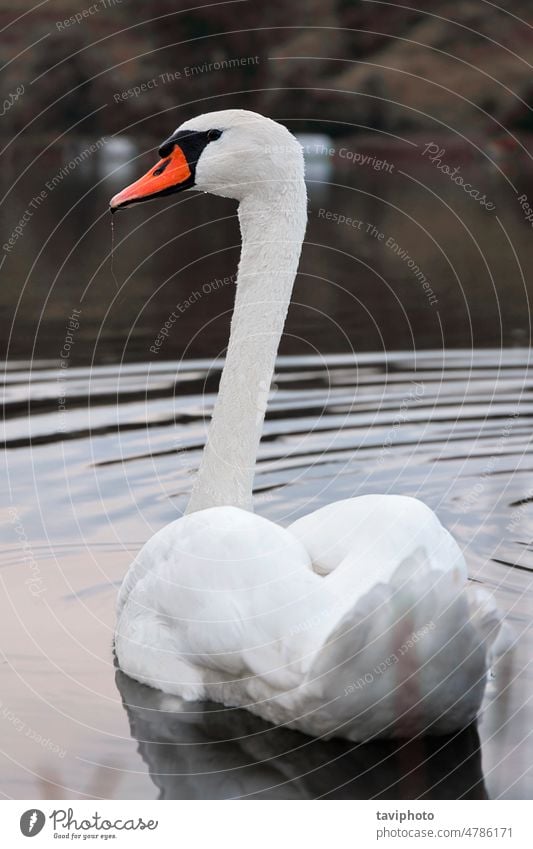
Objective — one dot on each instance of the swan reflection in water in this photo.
(201, 750)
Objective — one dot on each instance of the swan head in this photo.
(233, 153)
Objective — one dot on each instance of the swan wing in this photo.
(405, 659)
(409, 651)
(374, 534)
(224, 604)
(218, 596)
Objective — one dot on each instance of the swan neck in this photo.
(272, 229)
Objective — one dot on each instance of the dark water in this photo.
(100, 478)
(378, 390)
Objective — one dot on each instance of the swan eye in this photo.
(213, 135)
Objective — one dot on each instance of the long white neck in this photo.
(272, 228)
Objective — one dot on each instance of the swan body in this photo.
(225, 605)
(355, 621)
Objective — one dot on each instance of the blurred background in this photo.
(404, 366)
(355, 79)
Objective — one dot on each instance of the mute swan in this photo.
(352, 622)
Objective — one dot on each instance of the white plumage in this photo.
(225, 605)
(355, 620)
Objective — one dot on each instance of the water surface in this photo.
(404, 369)
(88, 484)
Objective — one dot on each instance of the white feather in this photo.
(355, 620)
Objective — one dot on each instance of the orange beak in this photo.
(171, 174)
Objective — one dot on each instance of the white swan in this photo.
(352, 622)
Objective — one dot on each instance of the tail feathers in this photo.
(405, 659)
(497, 635)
